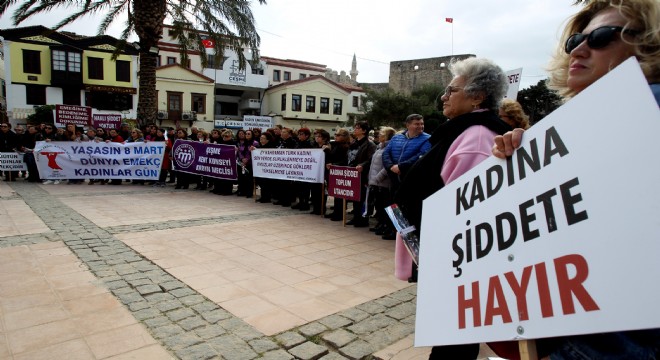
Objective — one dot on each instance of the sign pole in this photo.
(322, 199)
(527, 349)
(343, 211)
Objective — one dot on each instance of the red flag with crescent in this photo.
(208, 43)
(449, 20)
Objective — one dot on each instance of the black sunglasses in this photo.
(597, 39)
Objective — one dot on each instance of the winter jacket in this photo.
(377, 172)
(404, 151)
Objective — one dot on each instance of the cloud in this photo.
(515, 33)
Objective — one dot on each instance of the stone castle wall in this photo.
(404, 78)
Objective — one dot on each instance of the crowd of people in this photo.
(408, 166)
(364, 148)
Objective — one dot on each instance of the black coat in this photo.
(8, 141)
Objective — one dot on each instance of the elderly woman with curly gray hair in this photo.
(471, 102)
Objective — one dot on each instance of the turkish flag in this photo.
(449, 20)
(208, 43)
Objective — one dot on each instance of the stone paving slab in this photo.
(182, 320)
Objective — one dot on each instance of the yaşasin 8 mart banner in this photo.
(91, 160)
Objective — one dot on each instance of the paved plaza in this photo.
(135, 272)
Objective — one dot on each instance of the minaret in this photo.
(354, 72)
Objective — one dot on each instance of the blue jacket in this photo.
(404, 152)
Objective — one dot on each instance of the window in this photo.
(35, 94)
(310, 104)
(356, 101)
(174, 101)
(123, 70)
(276, 75)
(66, 61)
(296, 101)
(287, 76)
(325, 105)
(228, 108)
(59, 60)
(283, 107)
(188, 63)
(211, 63)
(31, 62)
(95, 68)
(302, 76)
(171, 60)
(336, 108)
(256, 68)
(158, 61)
(199, 103)
(75, 61)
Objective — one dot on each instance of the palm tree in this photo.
(228, 23)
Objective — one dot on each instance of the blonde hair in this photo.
(344, 133)
(515, 112)
(387, 131)
(640, 15)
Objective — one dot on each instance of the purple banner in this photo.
(106, 121)
(212, 160)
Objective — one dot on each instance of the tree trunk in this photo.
(147, 108)
(148, 18)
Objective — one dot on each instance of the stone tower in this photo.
(354, 72)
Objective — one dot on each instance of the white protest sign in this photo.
(262, 122)
(91, 160)
(12, 161)
(513, 78)
(306, 165)
(561, 239)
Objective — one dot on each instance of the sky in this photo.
(513, 33)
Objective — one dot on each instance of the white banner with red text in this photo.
(560, 239)
(306, 165)
(91, 160)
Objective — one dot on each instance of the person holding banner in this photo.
(470, 102)
(283, 189)
(136, 135)
(166, 164)
(222, 186)
(266, 141)
(244, 156)
(360, 153)
(595, 40)
(337, 154)
(182, 178)
(27, 146)
(8, 143)
(302, 189)
(318, 197)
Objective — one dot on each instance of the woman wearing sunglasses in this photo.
(598, 38)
